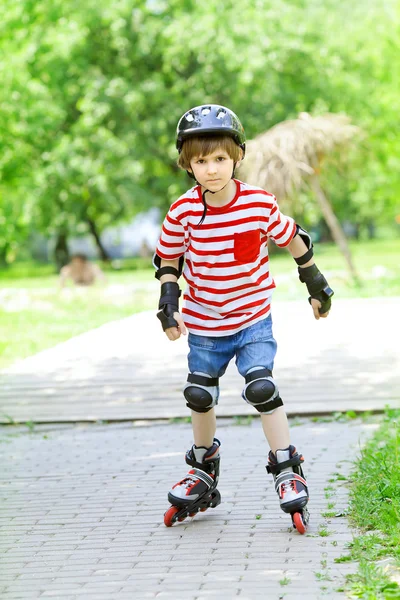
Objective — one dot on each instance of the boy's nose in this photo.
(212, 167)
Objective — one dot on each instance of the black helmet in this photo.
(210, 119)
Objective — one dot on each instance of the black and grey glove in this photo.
(317, 286)
(169, 304)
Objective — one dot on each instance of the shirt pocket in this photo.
(246, 246)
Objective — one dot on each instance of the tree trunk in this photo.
(3, 254)
(61, 252)
(93, 230)
(334, 226)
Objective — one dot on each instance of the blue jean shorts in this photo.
(254, 346)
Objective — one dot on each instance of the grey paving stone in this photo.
(22, 595)
(104, 375)
(226, 548)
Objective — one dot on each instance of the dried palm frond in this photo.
(282, 159)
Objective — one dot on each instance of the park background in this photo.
(89, 100)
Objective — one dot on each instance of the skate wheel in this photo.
(169, 516)
(216, 499)
(193, 514)
(203, 509)
(299, 523)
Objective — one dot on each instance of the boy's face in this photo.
(213, 171)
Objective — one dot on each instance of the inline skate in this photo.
(198, 490)
(290, 485)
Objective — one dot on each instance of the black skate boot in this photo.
(290, 485)
(197, 491)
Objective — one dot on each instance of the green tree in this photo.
(92, 93)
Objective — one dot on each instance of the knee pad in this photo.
(201, 392)
(261, 390)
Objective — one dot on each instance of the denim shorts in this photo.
(254, 346)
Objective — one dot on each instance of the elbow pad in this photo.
(167, 270)
(305, 236)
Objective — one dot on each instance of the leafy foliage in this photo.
(91, 94)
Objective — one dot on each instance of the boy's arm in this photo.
(318, 288)
(171, 320)
(298, 248)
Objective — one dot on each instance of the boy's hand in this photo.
(318, 288)
(174, 333)
(316, 305)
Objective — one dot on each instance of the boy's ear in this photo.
(239, 162)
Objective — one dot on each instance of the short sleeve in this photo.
(281, 228)
(171, 244)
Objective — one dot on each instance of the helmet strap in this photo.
(203, 196)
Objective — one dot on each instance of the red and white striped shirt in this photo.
(226, 258)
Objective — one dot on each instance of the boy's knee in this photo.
(261, 390)
(201, 392)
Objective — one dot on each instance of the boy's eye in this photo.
(201, 161)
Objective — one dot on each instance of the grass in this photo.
(341, 417)
(375, 510)
(243, 420)
(323, 531)
(34, 315)
(322, 576)
(376, 262)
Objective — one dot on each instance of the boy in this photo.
(220, 229)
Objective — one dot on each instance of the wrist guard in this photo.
(317, 286)
(169, 304)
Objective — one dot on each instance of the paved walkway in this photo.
(82, 515)
(82, 504)
(129, 370)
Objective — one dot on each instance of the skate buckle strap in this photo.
(206, 467)
(203, 476)
(295, 461)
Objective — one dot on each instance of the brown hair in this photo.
(205, 145)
